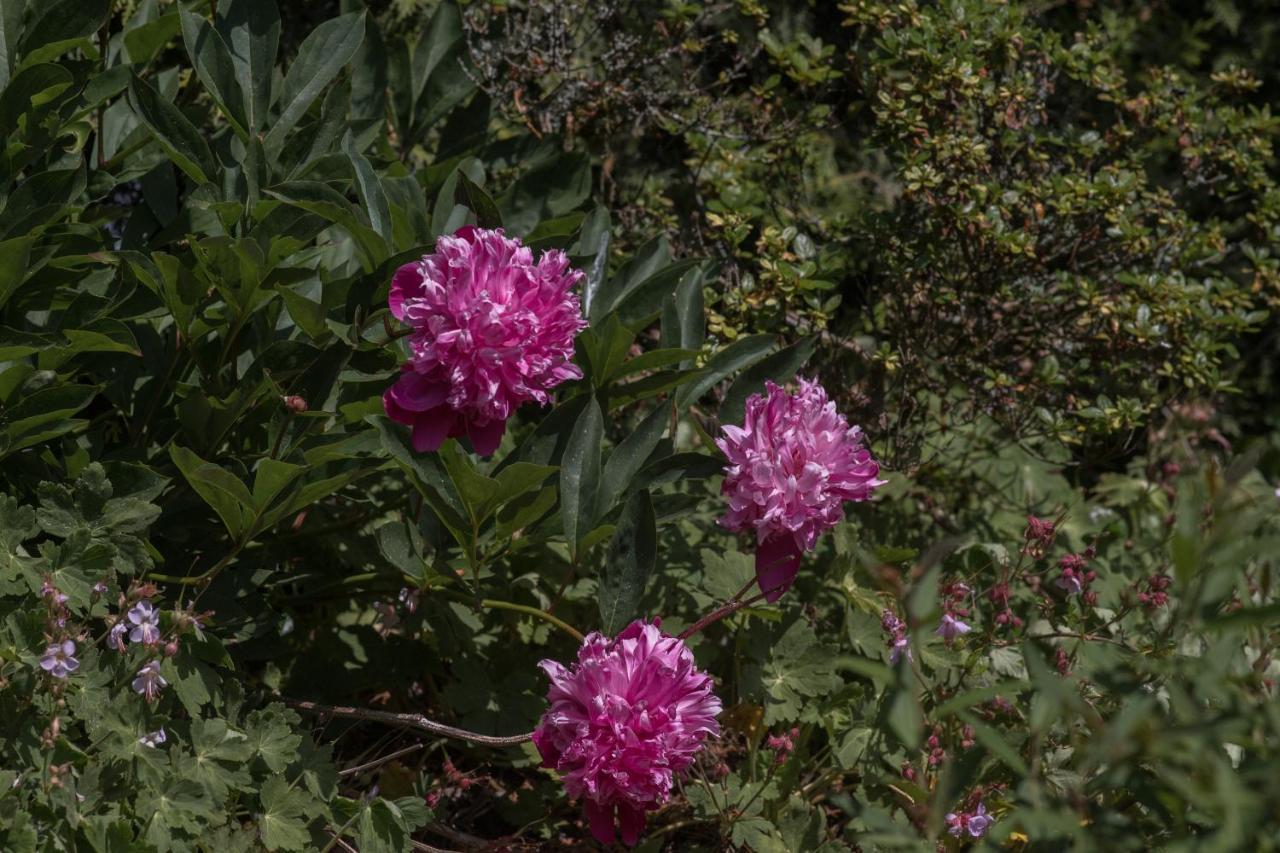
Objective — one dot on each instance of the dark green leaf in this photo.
(251, 29)
(185, 145)
(580, 475)
(633, 552)
(322, 55)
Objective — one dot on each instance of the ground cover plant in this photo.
(434, 426)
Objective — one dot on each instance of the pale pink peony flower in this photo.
(623, 722)
(492, 330)
(792, 465)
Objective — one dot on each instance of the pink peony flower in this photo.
(623, 722)
(491, 330)
(792, 465)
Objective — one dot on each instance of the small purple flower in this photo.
(143, 615)
(976, 824)
(951, 627)
(153, 739)
(901, 646)
(58, 659)
(116, 636)
(149, 681)
(1070, 583)
(100, 587)
(409, 599)
(48, 590)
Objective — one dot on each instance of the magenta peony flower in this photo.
(792, 465)
(492, 330)
(623, 722)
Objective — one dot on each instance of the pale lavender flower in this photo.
(975, 823)
(146, 622)
(149, 681)
(951, 627)
(901, 646)
(100, 587)
(48, 590)
(153, 739)
(59, 659)
(116, 636)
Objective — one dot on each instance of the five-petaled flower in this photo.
(149, 681)
(153, 739)
(491, 330)
(59, 659)
(116, 636)
(791, 467)
(623, 723)
(976, 823)
(146, 624)
(951, 627)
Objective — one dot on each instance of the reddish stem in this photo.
(716, 615)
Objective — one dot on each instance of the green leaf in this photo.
(13, 265)
(738, 355)
(799, 669)
(642, 302)
(629, 456)
(219, 488)
(145, 41)
(282, 820)
(272, 477)
(580, 475)
(370, 188)
(306, 314)
(683, 316)
(329, 204)
(215, 67)
(468, 192)
(322, 55)
(779, 367)
(648, 259)
(994, 741)
(476, 490)
(32, 91)
(179, 138)
(431, 481)
(653, 360)
(251, 29)
(270, 735)
(61, 23)
(516, 480)
(633, 552)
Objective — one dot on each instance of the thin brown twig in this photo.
(411, 721)
(378, 762)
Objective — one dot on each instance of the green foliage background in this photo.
(1030, 247)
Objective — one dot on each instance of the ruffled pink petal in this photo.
(430, 429)
(405, 284)
(789, 470)
(600, 819)
(777, 563)
(631, 822)
(485, 438)
(415, 392)
(491, 329)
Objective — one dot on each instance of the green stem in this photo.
(495, 604)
